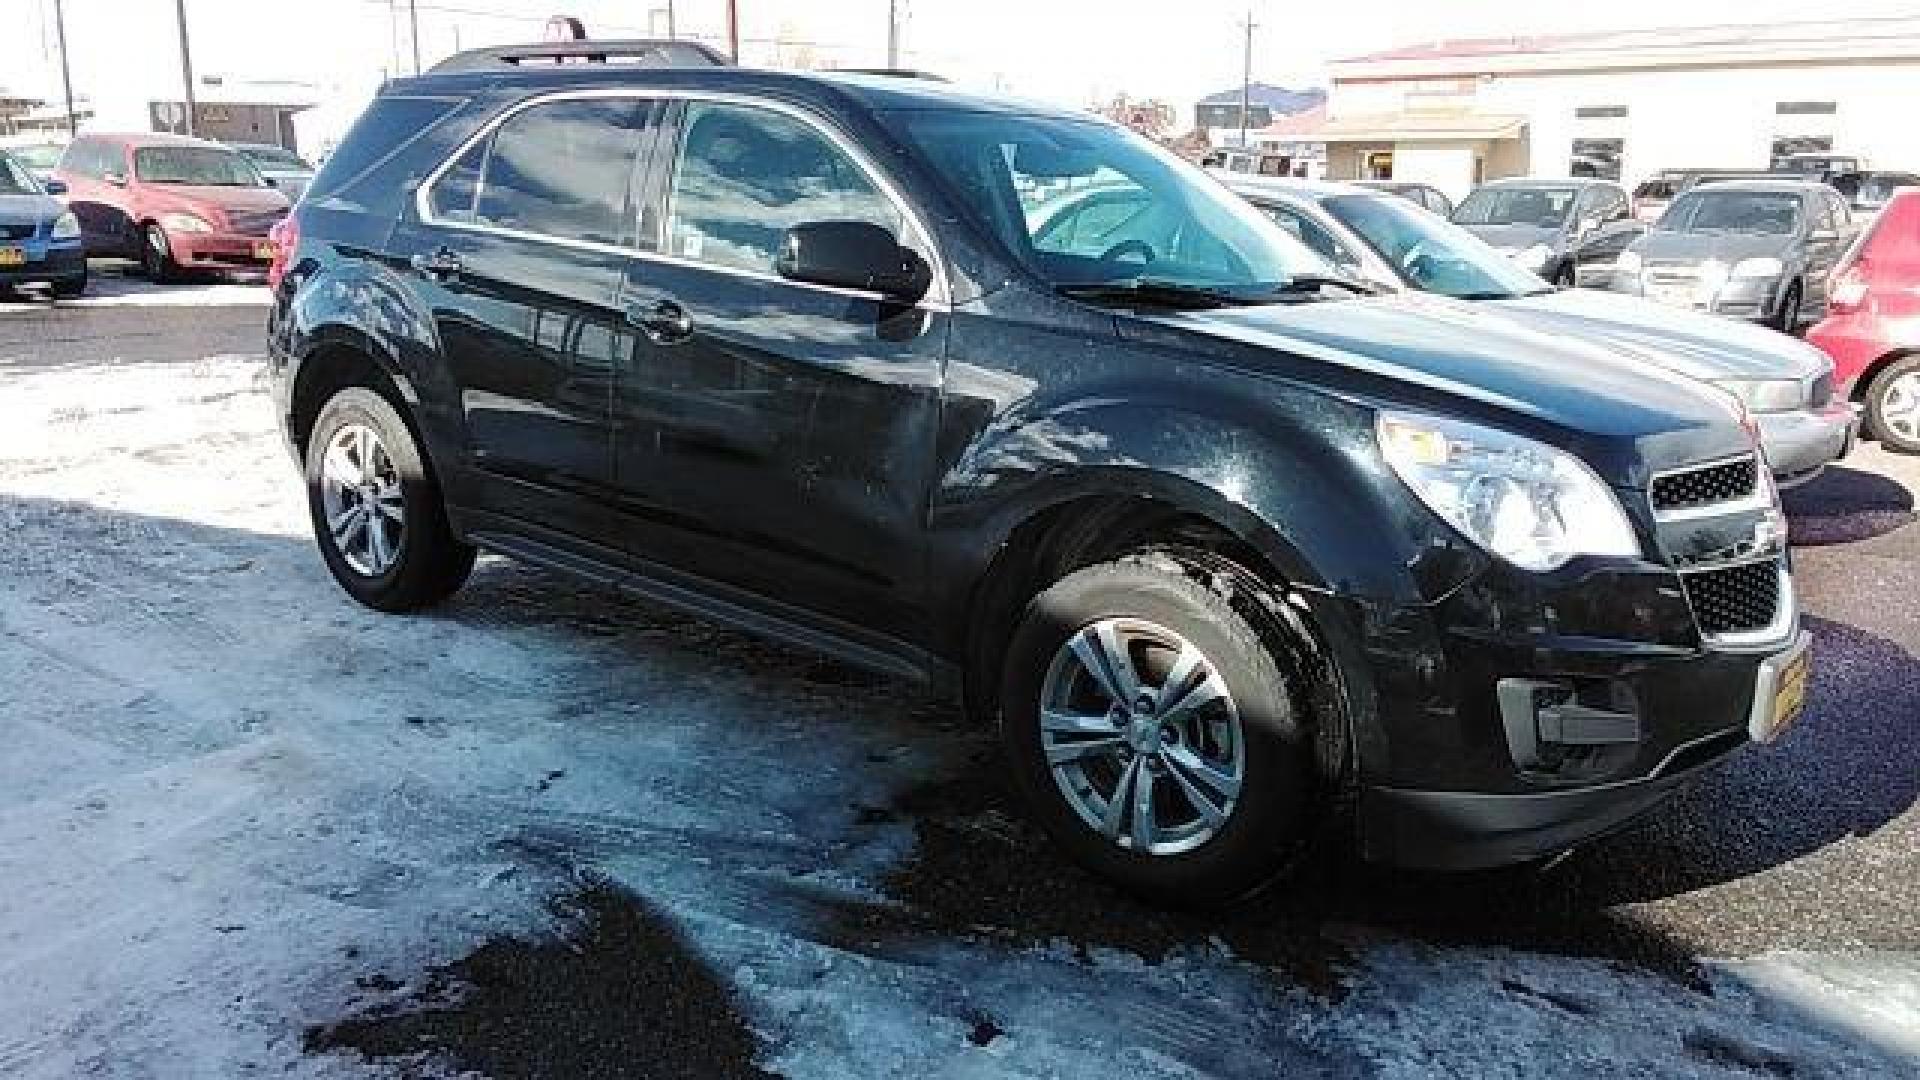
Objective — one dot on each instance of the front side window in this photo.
(1432, 254)
(746, 175)
(1547, 207)
(1773, 213)
(200, 166)
(1006, 172)
(560, 169)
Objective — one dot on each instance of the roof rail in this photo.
(642, 52)
(891, 73)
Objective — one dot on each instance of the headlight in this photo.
(1627, 263)
(1765, 395)
(1535, 257)
(66, 227)
(184, 223)
(1530, 504)
(1757, 268)
(1713, 274)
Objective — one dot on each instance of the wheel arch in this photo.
(1864, 381)
(334, 358)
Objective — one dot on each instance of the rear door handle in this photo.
(442, 263)
(662, 321)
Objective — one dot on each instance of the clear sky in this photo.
(1071, 51)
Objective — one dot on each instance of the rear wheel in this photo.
(1155, 733)
(1893, 406)
(377, 513)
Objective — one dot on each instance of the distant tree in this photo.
(1150, 116)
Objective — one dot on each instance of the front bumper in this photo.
(1751, 299)
(45, 265)
(1799, 444)
(220, 250)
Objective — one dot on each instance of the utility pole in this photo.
(733, 30)
(66, 74)
(186, 60)
(1246, 81)
(893, 34)
(672, 32)
(413, 32)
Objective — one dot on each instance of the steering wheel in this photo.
(1126, 247)
(1412, 259)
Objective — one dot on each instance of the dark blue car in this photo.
(39, 238)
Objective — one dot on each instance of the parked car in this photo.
(1427, 198)
(1759, 250)
(39, 153)
(1551, 227)
(1867, 192)
(171, 203)
(1818, 166)
(1218, 539)
(1787, 384)
(283, 168)
(39, 238)
(1654, 194)
(1872, 328)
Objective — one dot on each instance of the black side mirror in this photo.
(271, 182)
(55, 187)
(853, 255)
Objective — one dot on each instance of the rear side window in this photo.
(563, 169)
(387, 125)
(453, 194)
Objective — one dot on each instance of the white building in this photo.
(1625, 105)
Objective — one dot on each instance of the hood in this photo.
(1625, 418)
(1699, 247)
(1515, 237)
(194, 199)
(29, 209)
(1690, 342)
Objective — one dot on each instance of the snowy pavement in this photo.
(247, 827)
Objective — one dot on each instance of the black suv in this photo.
(1232, 552)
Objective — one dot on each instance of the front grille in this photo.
(1822, 392)
(1728, 481)
(22, 230)
(1735, 599)
(254, 222)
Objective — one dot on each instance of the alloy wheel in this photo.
(1142, 736)
(361, 496)
(1900, 406)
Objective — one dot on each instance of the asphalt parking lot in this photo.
(247, 827)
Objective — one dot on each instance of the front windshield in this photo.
(1083, 201)
(38, 156)
(1546, 207)
(199, 165)
(1431, 254)
(1768, 213)
(273, 157)
(15, 179)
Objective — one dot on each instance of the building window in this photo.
(1599, 158)
(1805, 108)
(1600, 112)
(1784, 149)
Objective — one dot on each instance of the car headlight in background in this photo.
(1628, 262)
(1535, 257)
(1758, 268)
(1526, 502)
(184, 223)
(1765, 395)
(1713, 276)
(66, 227)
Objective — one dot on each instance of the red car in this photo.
(1872, 328)
(171, 203)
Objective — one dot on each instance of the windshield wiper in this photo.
(1156, 292)
(1312, 283)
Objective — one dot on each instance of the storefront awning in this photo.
(1422, 127)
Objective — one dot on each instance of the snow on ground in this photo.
(233, 805)
(114, 286)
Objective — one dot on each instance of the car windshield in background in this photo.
(1547, 207)
(1768, 213)
(273, 157)
(197, 165)
(15, 179)
(1084, 202)
(1435, 255)
(43, 156)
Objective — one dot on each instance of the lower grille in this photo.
(1735, 599)
(1729, 481)
(18, 231)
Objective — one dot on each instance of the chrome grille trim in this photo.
(1758, 496)
(1786, 612)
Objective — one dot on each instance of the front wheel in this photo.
(156, 256)
(377, 513)
(71, 288)
(1566, 278)
(1156, 735)
(1893, 406)
(1787, 319)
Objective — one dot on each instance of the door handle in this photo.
(662, 321)
(440, 264)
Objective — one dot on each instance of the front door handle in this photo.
(440, 264)
(663, 321)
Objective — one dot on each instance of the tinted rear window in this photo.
(388, 124)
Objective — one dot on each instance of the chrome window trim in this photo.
(936, 299)
(1760, 498)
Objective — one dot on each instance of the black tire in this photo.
(156, 256)
(1566, 278)
(1906, 368)
(71, 288)
(1269, 825)
(1787, 318)
(430, 563)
